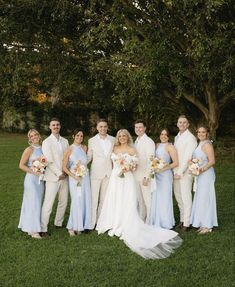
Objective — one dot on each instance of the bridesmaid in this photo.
(33, 190)
(161, 213)
(204, 214)
(80, 209)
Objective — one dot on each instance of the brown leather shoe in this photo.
(179, 226)
(184, 228)
(44, 234)
(58, 227)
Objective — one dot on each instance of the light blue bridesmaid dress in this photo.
(161, 212)
(80, 209)
(30, 215)
(204, 212)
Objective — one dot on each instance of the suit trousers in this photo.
(144, 201)
(98, 192)
(183, 195)
(52, 188)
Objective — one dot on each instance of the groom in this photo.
(99, 152)
(145, 147)
(53, 148)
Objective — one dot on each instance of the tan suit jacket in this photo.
(145, 149)
(101, 165)
(54, 156)
(185, 144)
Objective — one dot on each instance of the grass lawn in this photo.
(92, 260)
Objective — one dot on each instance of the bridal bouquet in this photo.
(39, 165)
(156, 165)
(126, 163)
(194, 166)
(80, 171)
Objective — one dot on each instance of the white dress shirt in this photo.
(138, 140)
(59, 143)
(105, 144)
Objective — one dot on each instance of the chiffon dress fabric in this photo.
(204, 213)
(161, 212)
(119, 216)
(80, 209)
(30, 214)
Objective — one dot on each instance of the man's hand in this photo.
(62, 176)
(145, 181)
(176, 176)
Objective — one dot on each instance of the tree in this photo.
(186, 48)
(147, 57)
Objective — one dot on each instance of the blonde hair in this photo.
(129, 137)
(37, 133)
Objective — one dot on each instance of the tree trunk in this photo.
(213, 109)
(213, 125)
(210, 111)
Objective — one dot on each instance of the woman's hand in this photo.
(37, 173)
(202, 169)
(77, 178)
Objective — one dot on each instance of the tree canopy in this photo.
(149, 58)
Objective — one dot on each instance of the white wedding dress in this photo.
(119, 216)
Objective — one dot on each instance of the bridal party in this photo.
(120, 186)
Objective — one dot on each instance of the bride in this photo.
(119, 214)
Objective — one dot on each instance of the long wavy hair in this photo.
(37, 133)
(129, 137)
(205, 127)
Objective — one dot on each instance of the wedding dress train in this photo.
(119, 216)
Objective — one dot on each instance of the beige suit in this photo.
(145, 147)
(185, 145)
(53, 151)
(101, 168)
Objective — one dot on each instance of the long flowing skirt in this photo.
(80, 209)
(119, 217)
(161, 213)
(30, 214)
(204, 213)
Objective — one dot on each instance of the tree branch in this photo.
(170, 96)
(197, 103)
(226, 99)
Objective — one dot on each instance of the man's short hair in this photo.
(183, 117)
(103, 120)
(54, 120)
(139, 121)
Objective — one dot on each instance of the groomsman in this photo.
(185, 143)
(99, 152)
(145, 147)
(53, 149)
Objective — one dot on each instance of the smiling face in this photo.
(55, 127)
(202, 134)
(140, 129)
(78, 138)
(164, 138)
(34, 138)
(182, 124)
(102, 128)
(122, 138)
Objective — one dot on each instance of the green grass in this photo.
(92, 260)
